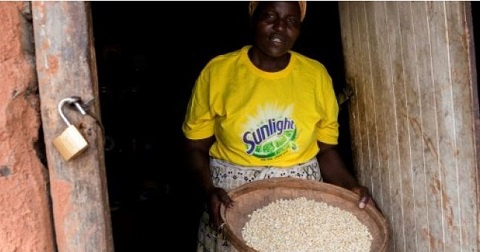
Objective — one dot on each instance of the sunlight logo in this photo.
(271, 137)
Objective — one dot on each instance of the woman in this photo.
(263, 111)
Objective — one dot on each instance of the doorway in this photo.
(148, 56)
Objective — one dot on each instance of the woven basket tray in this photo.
(258, 194)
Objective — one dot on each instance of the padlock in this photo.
(71, 142)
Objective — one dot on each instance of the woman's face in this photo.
(276, 27)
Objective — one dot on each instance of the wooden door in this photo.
(414, 118)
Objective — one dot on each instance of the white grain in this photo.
(303, 225)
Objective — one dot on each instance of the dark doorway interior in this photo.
(148, 56)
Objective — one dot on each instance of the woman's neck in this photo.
(266, 62)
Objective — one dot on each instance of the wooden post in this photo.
(65, 59)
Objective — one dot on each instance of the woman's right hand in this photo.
(215, 197)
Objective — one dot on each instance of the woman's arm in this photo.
(333, 171)
(198, 159)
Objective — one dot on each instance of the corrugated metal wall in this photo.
(413, 118)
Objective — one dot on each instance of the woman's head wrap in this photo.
(303, 8)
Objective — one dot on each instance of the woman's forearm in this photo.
(199, 161)
(333, 169)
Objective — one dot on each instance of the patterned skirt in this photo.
(228, 176)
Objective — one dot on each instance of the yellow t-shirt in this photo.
(261, 118)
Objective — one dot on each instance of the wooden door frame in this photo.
(66, 66)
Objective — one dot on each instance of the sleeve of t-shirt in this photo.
(327, 128)
(199, 118)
